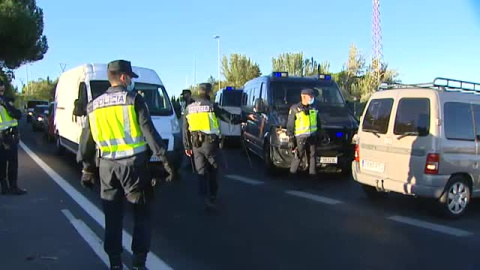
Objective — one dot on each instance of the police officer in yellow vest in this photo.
(200, 138)
(303, 124)
(9, 145)
(120, 127)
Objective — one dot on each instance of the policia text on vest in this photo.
(120, 127)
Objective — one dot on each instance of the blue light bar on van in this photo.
(339, 134)
(324, 77)
(229, 88)
(280, 74)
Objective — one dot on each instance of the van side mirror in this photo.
(258, 106)
(79, 109)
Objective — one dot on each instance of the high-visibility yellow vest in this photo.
(6, 121)
(306, 124)
(201, 118)
(114, 125)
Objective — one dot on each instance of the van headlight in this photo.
(175, 125)
(282, 135)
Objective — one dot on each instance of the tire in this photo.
(270, 167)
(373, 193)
(59, 148)
(456, 197)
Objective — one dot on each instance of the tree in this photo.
(21, 33)
(295, 64)
(41, 89)
(239, 69)
(358, 81)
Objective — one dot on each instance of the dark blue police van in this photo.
(269, 99)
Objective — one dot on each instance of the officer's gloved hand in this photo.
(291, 143)
(88, 179)
(169, 170)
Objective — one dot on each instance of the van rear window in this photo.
(458, 121)
(413, 117)
(377, 116)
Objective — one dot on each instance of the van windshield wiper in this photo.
(374, 131)
(410, 133)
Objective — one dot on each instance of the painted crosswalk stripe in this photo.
(153, 261)
(89, 236)
(431, 226)
(245, 180)
(313, 197)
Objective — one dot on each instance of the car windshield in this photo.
(40, 109)
(34, 103)
(232, 98)
(287, 93)
(155, 96)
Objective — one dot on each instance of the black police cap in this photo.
(122, 66)
(307, 91)
(185, 91)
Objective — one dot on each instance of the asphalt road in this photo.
(262, 222)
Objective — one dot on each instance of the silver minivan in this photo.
(422, 140)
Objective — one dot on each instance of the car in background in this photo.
(39, 116)
(31, 104)
(229, 99)
(48, 125)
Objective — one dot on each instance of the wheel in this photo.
(269, 165)
(456, 197)
(59, 147)
(373, 193)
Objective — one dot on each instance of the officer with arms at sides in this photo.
(9, 139)
(120, 127)
(303, 125)
(200, 134)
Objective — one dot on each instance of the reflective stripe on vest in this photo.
(114, 126)
(6, 121)
(305, 124)
(202, 119)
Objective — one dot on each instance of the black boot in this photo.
(4, 187)
(14, 190)
(115, 262)
(139, 261)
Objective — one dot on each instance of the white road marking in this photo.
(431, 226)
(313, 197)
(89, 236)
(244, 180)
(153, 261)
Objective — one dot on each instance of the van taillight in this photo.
(357, 153)
(431, 166)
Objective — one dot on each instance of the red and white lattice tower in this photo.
(377, 39)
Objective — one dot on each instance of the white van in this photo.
(87, 82)
(229, 99)
(422, 140)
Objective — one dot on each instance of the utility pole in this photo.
(377, 40)
(218, 59)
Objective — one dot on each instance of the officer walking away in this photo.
(200, 133)
(120, 126)
(9, 117)
(302, 126)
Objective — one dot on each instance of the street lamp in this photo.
(218, 52)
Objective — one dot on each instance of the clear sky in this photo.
(422, 39)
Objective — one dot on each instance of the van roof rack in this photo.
(438, 83)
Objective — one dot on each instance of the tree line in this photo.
(357, 79)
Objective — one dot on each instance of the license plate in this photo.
(154, 159)
(373, 166)
(327, 160)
